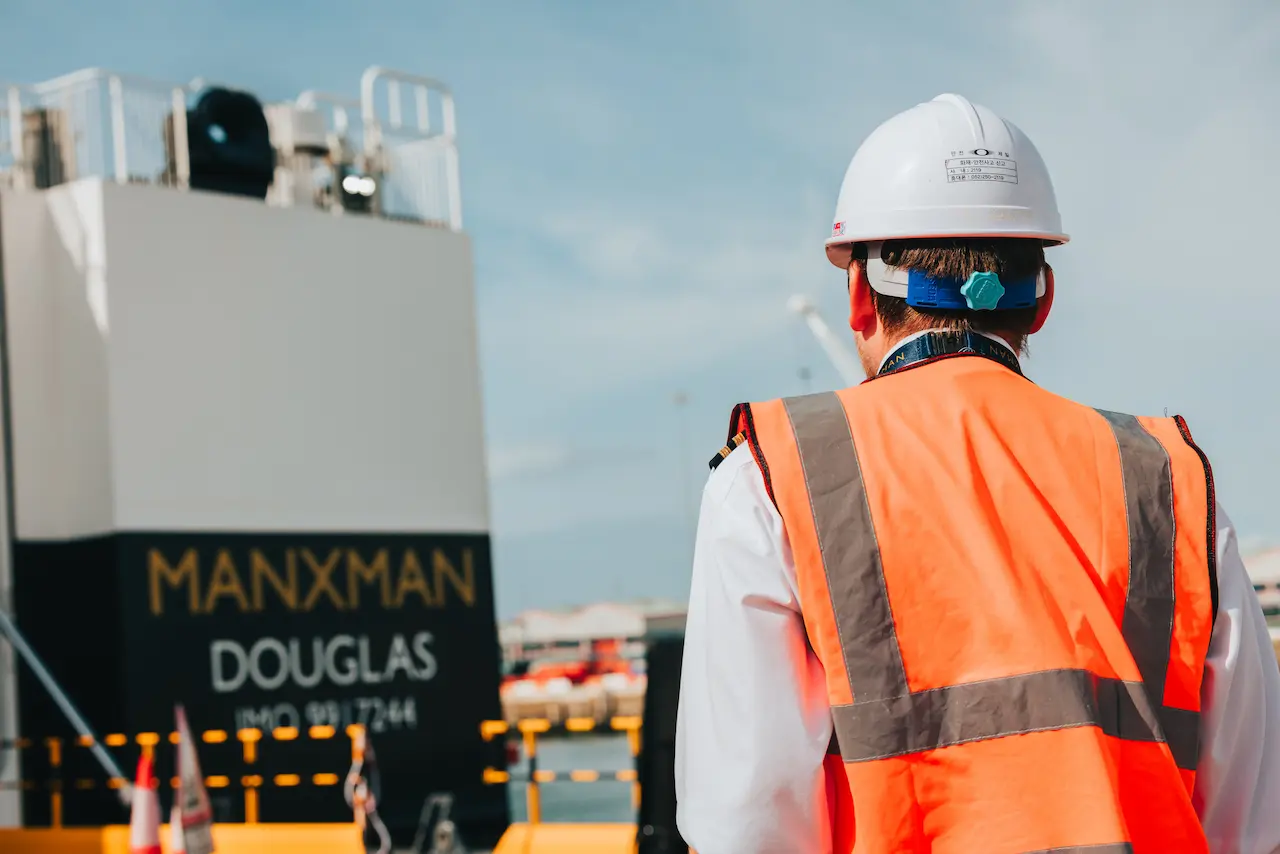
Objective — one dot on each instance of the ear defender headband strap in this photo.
(982, 291)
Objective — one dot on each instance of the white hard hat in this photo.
(946, 168)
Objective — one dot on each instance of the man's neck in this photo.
(909, 338)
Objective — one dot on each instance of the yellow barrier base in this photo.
(227, 839)
(566, 839)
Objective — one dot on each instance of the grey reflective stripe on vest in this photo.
(886, 719)
(850, 554)
(993, 708)
(1149, 601)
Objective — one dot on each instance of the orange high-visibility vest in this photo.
(1012, 597)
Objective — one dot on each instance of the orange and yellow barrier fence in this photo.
(531, 728)
(537, 837)
(60, 781)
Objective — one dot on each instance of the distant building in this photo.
(571, 632)
(1264, 571)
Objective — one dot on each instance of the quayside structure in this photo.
(243, 460)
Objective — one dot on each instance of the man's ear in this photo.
(862, 311)
(1045, 303)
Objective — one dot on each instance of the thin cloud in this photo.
(534, 460)
(645, 297)
(512, 461)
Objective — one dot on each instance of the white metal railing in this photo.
(419, 164)
(127, 129)
(116, 126)
(14, 100)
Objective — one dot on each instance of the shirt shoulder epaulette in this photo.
(726, 450)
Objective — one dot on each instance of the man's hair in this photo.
(1009, 258)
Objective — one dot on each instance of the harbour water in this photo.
(604, 801)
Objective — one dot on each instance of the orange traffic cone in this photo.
(177, 841)
(144, 818)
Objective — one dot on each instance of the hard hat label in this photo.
(975, 168)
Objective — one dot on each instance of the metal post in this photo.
(368, 113)
(22, 169)
(424, 109)
(9, 630)
(393, 103)
(55, 781)
(116, 89)
(451, 164)
(181, 149)
(249, 741)
(632, 727)
(533, 796)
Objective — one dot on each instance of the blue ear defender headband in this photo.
(982, 291)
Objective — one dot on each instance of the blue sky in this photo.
(647, 183)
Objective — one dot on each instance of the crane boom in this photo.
(845, 363)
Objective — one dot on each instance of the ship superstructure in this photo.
(244, 465)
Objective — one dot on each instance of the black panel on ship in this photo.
(395, 632)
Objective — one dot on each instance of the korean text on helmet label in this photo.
(974, 168)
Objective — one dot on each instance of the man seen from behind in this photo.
(947, 610)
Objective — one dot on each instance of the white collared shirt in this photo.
(754, 722)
